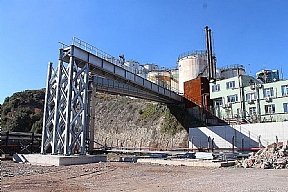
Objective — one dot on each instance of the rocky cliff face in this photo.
(138, 124)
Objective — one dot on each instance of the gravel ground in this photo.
(120, 176)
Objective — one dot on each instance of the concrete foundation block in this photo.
(59, 160)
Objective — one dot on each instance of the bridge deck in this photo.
(113, 87)
(120, 77)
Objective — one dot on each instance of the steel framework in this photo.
(65, 110)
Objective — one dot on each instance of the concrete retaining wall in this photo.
(247, 136)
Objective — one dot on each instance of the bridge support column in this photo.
(91, 114)
(65, 110)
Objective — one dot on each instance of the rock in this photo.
(268, 158)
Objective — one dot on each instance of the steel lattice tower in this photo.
(65, 110)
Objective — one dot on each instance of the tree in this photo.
(23, 111)
(22, 121)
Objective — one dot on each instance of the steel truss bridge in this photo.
(81, 71)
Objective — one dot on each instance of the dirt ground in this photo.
(123, 176)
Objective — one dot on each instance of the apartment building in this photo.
(245, 98)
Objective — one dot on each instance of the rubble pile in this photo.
(271, 157)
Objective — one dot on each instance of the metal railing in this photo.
(103, 55)
(19, 142)
(234, 66)
(190, 53)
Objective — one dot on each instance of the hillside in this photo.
(118, 119)
(139, 123)
(23, 111)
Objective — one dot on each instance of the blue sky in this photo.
(149, 31)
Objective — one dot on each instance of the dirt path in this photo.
(117, 176)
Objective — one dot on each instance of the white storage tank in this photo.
(231, 71)
(190, 65)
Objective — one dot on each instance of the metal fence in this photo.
(19, 142)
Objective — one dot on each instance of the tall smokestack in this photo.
(208, 51)
(212, 65)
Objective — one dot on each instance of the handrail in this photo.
(234, 66)
(63, 45)
(190, 53)
(98, 52)
(103, 55)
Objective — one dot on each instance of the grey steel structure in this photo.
(83, 69)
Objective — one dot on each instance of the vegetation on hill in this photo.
(23, 111)
(175, 118)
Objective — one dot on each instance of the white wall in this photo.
(249, 133)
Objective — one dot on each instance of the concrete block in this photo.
(204, 155)
(128, 159)
(59, 160)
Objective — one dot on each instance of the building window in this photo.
(268, 92)
(215, 88)
(269, 109)
(250, 96)
(252, 110)
(284, 89)
(218, 102)
(232, 98)
(230, 84)
(285, 107)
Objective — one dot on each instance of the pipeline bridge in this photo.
(81, 71)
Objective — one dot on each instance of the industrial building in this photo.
(245, 99)
(234, 97)
(237, 109)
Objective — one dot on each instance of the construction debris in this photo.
(271, 157)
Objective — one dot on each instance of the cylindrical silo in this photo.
(191, 65)
(231, 71)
